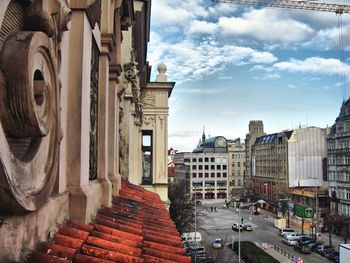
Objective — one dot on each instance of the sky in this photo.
(234, 63)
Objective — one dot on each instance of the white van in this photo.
(287, 231)
(190, 236)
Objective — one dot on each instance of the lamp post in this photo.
(239, 235)
(195, 224)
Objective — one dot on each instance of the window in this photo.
(239, 164)
(224, 174)
(194, 175)
(206, 167)
(194, 167)
(212, 159)
(200, 167)
(200, 160)
(206, 175)
(212, 167)
(200, 175)
(218, 175)
(212, 175)
(147, 157)
(224, 167)
(206, 159)
(218, 167)
(194, 160)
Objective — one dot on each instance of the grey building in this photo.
(338, 155)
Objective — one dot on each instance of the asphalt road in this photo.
(218, 225)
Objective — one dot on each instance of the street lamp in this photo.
(195, 224)
(239, 235)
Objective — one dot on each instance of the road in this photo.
(218, 225)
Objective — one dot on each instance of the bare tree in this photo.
(182, 208)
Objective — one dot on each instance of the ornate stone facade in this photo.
(52, 127)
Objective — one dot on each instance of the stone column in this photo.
(84, 196)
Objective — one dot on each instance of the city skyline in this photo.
(233, 64)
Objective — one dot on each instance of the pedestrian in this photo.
(215, 209)
(211, 208)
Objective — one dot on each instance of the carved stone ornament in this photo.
(131, 86)
(149, 121)
(149, 99)
(29, 127)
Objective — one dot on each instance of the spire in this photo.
(203, 135)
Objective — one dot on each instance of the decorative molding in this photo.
(149, 99)
(115, 70)
(161, 120)
(108, 44)
(132, 90)
(149, 121)
(29, 115)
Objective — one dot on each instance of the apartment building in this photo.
(338, 154)
(236, 168)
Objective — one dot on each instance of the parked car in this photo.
(329, 252)
(302, 248)
(247, 227)
(284, 231)
(306, 242)
(320, 249)
(217, 243)
(313, 245)
(334, 256)
(290, 241)
(303, 239)
(237, 227)
(293, 235)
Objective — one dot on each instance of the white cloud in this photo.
(189, 59)
(265, 25)
(202, 91)
(164, 14)
(327, 66)
(202, 27)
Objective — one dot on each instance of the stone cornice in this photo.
(107, 43)
(115, 70)
(161, 86)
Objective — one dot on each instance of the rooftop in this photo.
(137, 228)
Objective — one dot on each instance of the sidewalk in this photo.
(269, 217)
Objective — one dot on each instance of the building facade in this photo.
(339, 162)
(288, 159)
(256, 129)
(84, 116)
(209, 169)
(236, 168)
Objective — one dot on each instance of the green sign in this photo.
(304, 211)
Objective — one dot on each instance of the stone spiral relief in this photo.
(29, 119)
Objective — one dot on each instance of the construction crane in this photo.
(304, 5)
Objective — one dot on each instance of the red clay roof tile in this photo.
(109, 255)
(98, 242)
(137, 228)
(58, 250)
(68, 241)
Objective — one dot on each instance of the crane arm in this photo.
(304, 5)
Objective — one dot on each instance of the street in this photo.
(218, 225)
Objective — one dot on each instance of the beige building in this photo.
(236, 168)
(256, 129)
(288, 159)
(77, 113)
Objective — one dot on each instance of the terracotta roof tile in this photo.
(137, 228)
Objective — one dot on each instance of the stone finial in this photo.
(161, 77)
